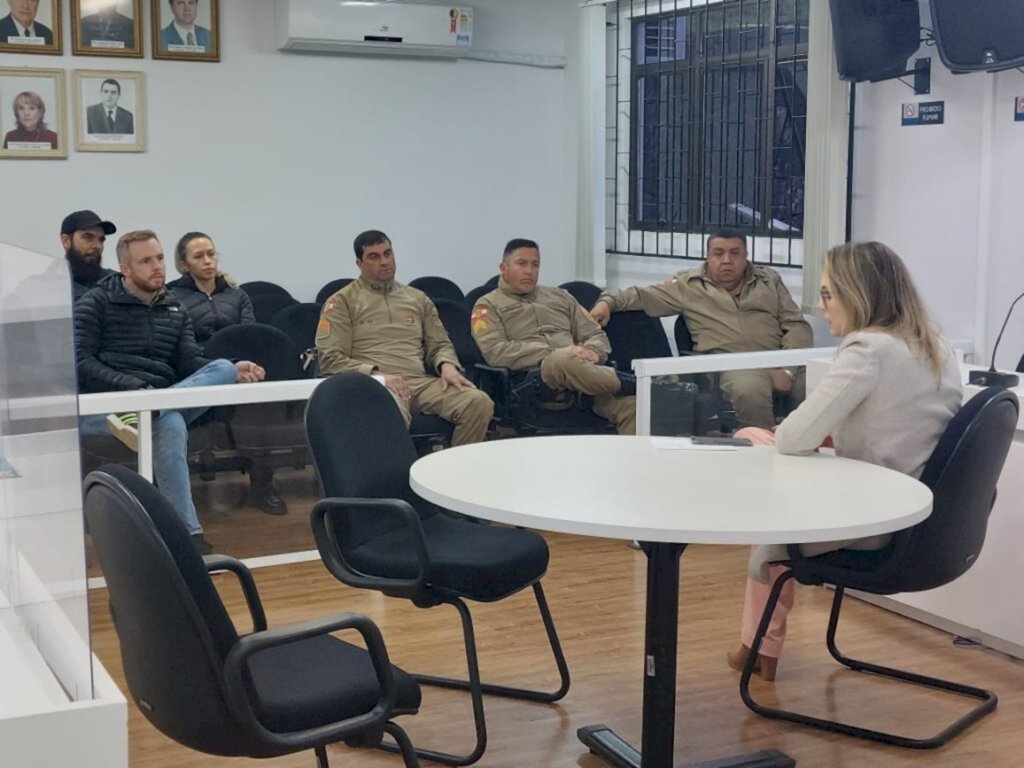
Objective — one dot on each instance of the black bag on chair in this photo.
(673, 406)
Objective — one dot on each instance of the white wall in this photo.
(947, 197)
(284, 158)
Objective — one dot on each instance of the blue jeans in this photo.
(170, 441)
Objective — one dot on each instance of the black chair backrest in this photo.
(455, 318)
(635, 335)
(684, 341)
(263, 288)
(266, 305)
(1020, 365)
(491, 284)
(474, 294)
(330, 289)
(173, 629)
(585, 293)
(361, 448)
(298, 322)
(438, 288)
(962, 472)
(263, 344)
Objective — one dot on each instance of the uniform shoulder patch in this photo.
(479, 319)
(323, 330)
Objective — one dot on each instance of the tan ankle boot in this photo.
(765, 666)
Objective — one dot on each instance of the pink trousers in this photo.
(756, 597)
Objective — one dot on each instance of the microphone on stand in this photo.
(992, 377)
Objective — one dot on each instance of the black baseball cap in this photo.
(79, 220)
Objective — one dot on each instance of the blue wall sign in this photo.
(1018, 112)
(925, 113)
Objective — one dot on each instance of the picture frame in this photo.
(106, 28)
(33, 117)
(110, 110)
(185, 30)
(43, 28)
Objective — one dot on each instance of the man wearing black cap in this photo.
(82, 234)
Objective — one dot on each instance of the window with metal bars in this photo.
(715, 135)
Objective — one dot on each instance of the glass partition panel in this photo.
(43, 600)
(716, 403)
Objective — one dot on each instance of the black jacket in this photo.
(227, 306)
(121, 343)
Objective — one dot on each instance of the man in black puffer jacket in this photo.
(131, 334)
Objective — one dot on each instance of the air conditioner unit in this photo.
(404, 29)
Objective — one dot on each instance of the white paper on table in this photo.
(686, 444)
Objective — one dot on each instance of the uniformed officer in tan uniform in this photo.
(379, 327)
(521, 325)
(730, 306)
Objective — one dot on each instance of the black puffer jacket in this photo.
(227, 306)
(121, 343)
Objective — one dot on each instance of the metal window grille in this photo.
(709, 126)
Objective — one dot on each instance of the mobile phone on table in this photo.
(720, 441)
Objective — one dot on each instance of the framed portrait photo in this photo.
(33, 120)
(30, 26)
(106, 28)
(187, 30)
(110, 111)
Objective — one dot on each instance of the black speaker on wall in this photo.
(973, 35)
(874, 38)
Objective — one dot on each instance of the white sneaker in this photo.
(125, 427)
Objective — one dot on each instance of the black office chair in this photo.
(474, 294)
(265, 435)
(264, 288)
(712, 410)
(331, 288)
(635, 335)
(962, 474)
(261, 694)
(438, 288)
(455, 318)
(492, 283)
(266, 305)
(585, 293)
(298, 322)
(373, 532)
(522, 403)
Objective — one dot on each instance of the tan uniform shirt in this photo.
(385, 328)
(763, 317)
(518, 330)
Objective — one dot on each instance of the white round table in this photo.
(630, 488)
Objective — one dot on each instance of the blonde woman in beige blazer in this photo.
(886, 400)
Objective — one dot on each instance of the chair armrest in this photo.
(496, 383)
(215, 563)
(237, 691)
(333, 557)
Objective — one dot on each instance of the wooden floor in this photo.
(596, 591)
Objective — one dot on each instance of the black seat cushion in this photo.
(296, 686)
(479, 562)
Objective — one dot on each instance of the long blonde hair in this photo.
(874, 286)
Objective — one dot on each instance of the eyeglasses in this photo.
(826, 296)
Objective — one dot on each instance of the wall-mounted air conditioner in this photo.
(343, 26)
